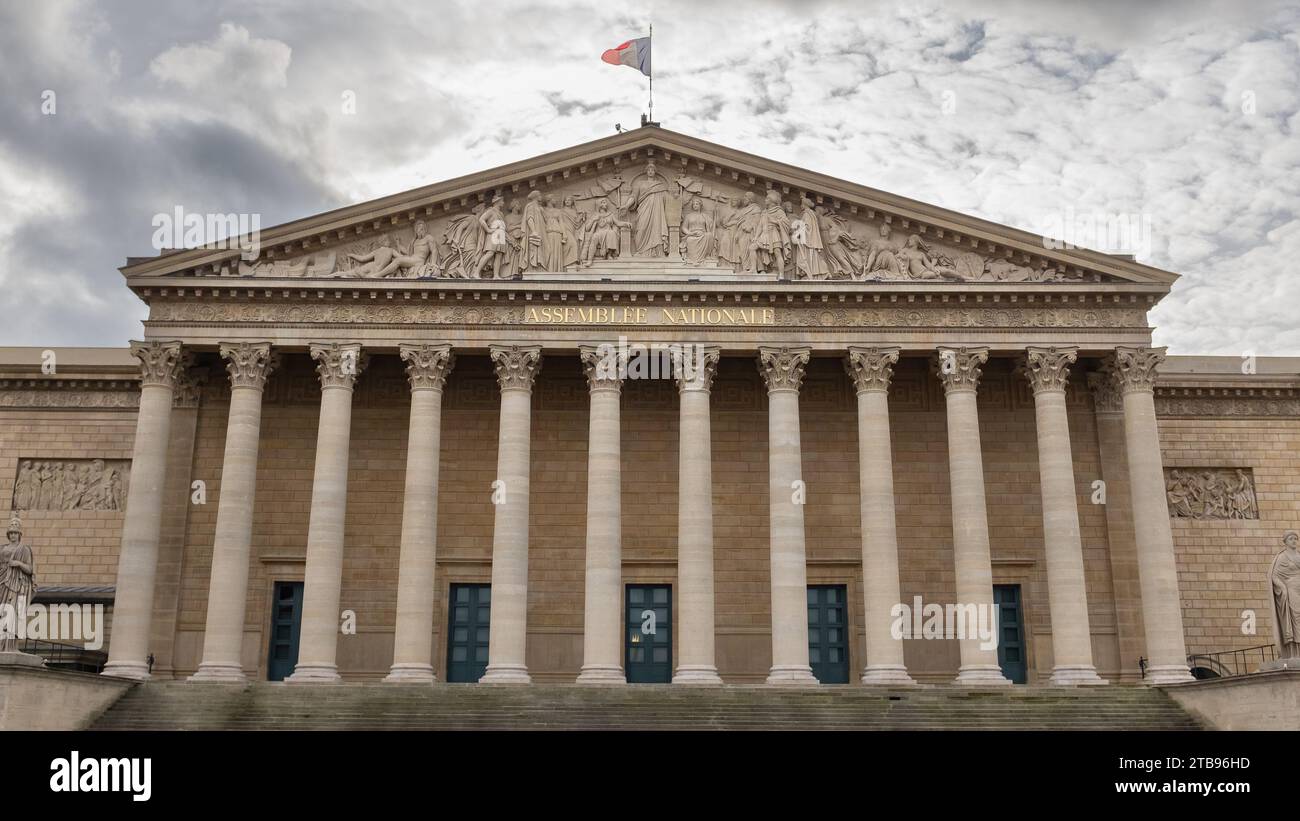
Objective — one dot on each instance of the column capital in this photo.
(161, 362)
(603, 366)
(189, 385)
(1104, 384)
(249, 363)
(338, 363)
(871, 369)
(959, 369)
(783, 367)
(1136, 368)
(694, 366)
(427, 366)
(1048, 369)
(517, 366)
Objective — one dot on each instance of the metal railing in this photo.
(66, 656)
(1230, 663)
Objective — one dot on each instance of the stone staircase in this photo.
(377, 706)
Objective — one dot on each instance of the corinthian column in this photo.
(1048, 371)
(959, 370)
(427, 367)
(1157, 568)
(694, 367)
(782, 370)
(602, 628)
(161, 367)
(871, 370)
(249, 365)
(516, 368)
(338, 366)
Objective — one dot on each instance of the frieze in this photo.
(33, 394)
(1226, 403)
(71, 484)
(1211, 493)
(703, 315)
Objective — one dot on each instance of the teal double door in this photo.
(648, 633)
(468, 628)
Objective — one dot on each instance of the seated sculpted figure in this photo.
(600, 239)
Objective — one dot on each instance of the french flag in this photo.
(633, 53)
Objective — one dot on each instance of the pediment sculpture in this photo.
(721, 224)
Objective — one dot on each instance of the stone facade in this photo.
(1036, 387)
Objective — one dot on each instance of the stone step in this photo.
(180, 705)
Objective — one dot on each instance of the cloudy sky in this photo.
(1182, 114)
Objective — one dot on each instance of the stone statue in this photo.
(1216, 493)
(514, 239)
(697, 234)
(495, 245)
(572, 222)
(918, 263)
(383, 258)
(772, 237)
(17, 582)
(742, 224)
(1284, 577)
(841, 248)
(533, 233)
(882, 257)
(809, 244)
(71, 484)
(648, 202)
(600, 238)
(556, 245)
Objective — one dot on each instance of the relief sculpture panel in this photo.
(71, 484)
(649, 215)
(1211, 493)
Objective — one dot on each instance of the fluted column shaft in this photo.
(871, 370)
(427, 367)
(694, 368)
(338, 366)
(516, 369)
(1048, 371)
(602, 633)
(249, 364)
(1157, 567)
(959, 370)
(783, 371)
(161, 365)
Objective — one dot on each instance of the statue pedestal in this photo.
(16, 659)
(1280, 664)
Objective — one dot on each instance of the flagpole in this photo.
(652, 72)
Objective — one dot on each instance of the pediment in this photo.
(707, 212)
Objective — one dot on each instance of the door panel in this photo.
(469, 622)
(828, 640)
(648, 643)
(286, 623)
(1011, 636)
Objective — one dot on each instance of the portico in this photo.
(777, 477)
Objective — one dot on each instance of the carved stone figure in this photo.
(600, 239)
(648, 202)
(17, 579)
(465, 239)
(842, 253)
(744, 222)
(809, 244)
(372, 262)
(882, 257)
(495, 240)
(1284, 579)
(533, 232)
(697, 234)
(919, 264)
(555, 247)
(67, 485)
(572, 221)
(514, 240)
(1211, 494)
(772, 237)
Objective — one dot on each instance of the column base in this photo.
(697, 674)
(411, 674)
(506, 674)
(1168, 674)
(601, 674)
(1076, 675)
(981, 675)
(887, 674)
(792, 676)
(137, 670)
(220, 673)
(314, 674)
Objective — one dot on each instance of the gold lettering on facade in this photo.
(570, 315)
